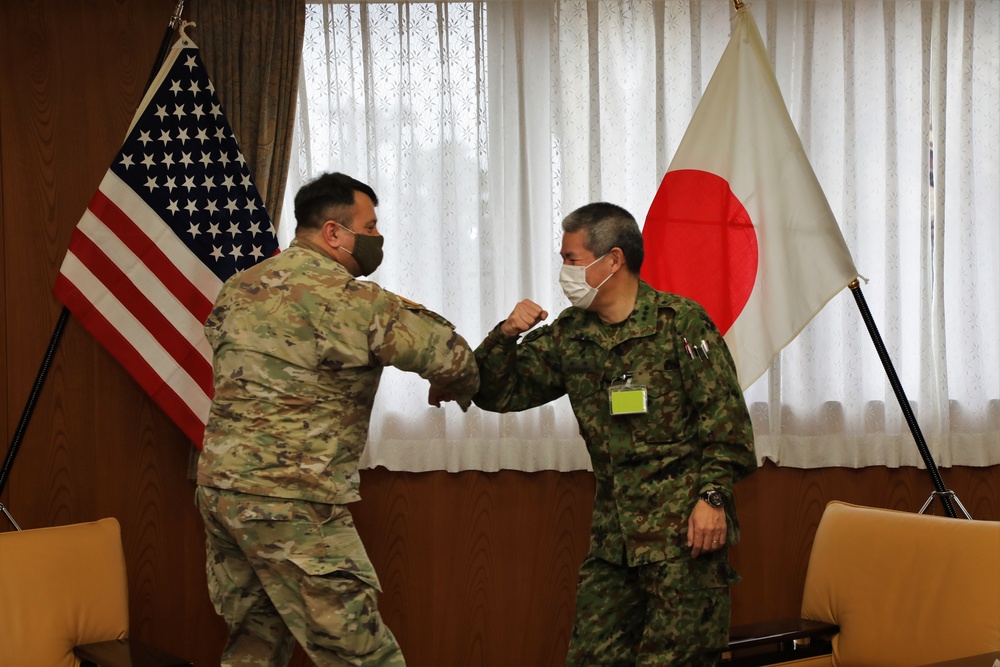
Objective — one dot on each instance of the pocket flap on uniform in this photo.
(336, 567)
(708, 571)
(268, 510)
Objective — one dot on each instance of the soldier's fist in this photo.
(525, 315)
(437, 395)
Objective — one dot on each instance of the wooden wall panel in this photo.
(488, 562)
(72, 73)
(440, 541)
(780, 509)
(479, 569)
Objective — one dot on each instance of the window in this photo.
(481, 124)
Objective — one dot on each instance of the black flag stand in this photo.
(43, 371)
(940, 491)
(29, 407)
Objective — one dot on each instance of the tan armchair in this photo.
(62, 588)
(905, 589)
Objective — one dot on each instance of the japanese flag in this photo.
(740, 223)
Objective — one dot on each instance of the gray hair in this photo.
(608, 226)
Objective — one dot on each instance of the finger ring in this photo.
(715, 541)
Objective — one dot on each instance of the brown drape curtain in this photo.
(253, 50)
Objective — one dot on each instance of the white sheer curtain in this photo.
(481, 124)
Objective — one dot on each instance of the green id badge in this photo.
(627, 400)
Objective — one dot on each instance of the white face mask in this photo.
(575, 286)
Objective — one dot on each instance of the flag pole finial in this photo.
(738, 4)
(175, 19)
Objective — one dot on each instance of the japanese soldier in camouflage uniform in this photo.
(655, 392)
(299, 345)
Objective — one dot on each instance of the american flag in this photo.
(175, 215)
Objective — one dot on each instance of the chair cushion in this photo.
(905, 588)
(61, 586)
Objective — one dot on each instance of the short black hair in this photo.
(328, 197)
(608, 226)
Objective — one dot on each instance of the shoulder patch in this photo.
(678, 303)
(432, 315)
(409, 305)
(418, 309)
(412, 305)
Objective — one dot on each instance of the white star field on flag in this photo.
(182, 159)
(175, 216)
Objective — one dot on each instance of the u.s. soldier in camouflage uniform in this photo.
(654, 588)
(299, 346)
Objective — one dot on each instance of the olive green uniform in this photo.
(641, 599)
(299, 346)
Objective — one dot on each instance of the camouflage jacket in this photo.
(650, 468)
(298, 350)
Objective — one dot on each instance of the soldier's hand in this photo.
(525, 315)
(437, 395)
(706, 529)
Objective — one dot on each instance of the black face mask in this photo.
(367, 251)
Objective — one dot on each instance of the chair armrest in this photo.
(126, 653)
(774, 642)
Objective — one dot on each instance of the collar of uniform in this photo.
(306, 244)
(586, 325)
(642, 321)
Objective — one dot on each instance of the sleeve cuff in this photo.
(497, 337)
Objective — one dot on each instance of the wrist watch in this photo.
(713, 498)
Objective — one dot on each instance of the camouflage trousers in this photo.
(656, 615)
(281, 570)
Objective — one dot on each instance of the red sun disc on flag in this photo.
(700, 243)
